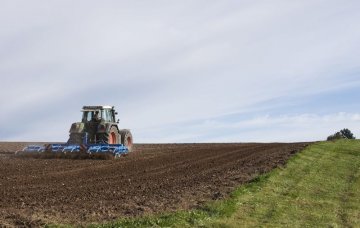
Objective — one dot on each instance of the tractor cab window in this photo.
(87, 116)
(112, 116)
(106, 115)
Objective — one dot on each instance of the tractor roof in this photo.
(94, 108)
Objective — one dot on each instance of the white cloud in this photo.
(165, 63)
(282, 128)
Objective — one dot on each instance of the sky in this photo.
(181, 71)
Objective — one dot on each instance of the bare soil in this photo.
(153, 179)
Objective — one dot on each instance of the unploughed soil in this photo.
(154, 178)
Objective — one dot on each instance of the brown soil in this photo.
(155, 178)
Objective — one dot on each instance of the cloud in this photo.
(167, 63)
(267, 128)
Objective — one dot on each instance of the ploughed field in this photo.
(154, 178)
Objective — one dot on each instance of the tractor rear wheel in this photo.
(127, 139)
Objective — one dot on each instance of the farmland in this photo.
(156, 178)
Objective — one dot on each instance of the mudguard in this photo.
(77, 127)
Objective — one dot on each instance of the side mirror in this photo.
(118, 120)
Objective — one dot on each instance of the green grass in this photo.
(319, 187)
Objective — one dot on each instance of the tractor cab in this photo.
(99, 113)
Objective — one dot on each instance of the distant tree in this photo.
(347, 133)
(335, 136)
(343, 134)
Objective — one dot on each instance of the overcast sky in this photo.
(182, 71)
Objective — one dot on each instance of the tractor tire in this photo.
(127, 139)
(75, 138)
(111, 137)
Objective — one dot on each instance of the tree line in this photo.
(343, 134)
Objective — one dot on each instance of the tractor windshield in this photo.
(105, 115)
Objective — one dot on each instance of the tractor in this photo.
(98, 123)
(96, 136)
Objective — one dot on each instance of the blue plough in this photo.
(90, 150)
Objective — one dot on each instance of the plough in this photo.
(70, 151)
(58, 150)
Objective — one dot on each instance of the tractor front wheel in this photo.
(110, 137)
(113, 136)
